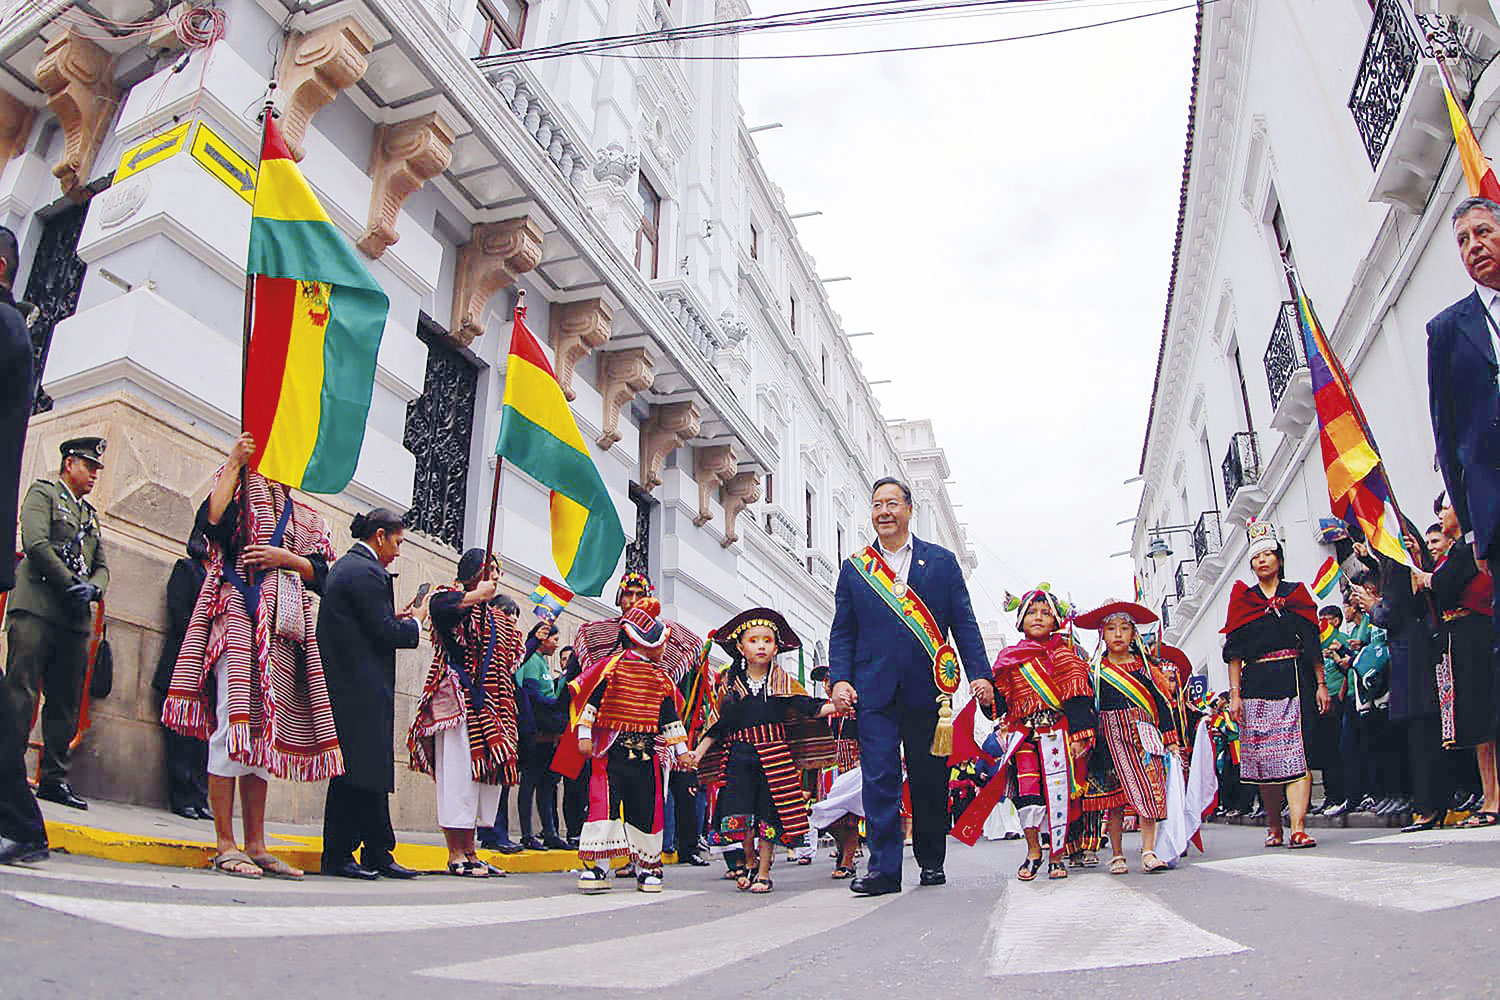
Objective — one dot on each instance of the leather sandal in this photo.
(1273, 838)
(843, 872)
(1056, 870)
(1151, 864)
(761, 884)
(1118, 865)
(1028, 869)
(1301, 840)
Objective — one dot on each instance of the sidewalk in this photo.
(138, 835)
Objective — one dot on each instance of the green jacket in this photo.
(1336, 677)
(60, 536)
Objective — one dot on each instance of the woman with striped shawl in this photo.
(464, 733)
(248, 678)
(1136, 728)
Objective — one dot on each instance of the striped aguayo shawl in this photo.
(596, 642)
(279, 714)
(809, 743)
(493, 736)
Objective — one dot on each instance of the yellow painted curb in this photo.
(299, 851)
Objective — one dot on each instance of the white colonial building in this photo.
(689, 327)
(1318, 130)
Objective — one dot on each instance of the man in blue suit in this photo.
(877, 663)
(1463, 345)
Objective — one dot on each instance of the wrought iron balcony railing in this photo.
(1392, 52)
(1241, 465)
(1182, 579)
(1286, 353)
(1208, 535)
(1166, 611)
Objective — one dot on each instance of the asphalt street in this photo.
(1367, 914)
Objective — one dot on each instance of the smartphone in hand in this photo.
(421, 593)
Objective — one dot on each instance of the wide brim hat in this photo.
(728, 634)
(643, 628)
(1094, 619)
(1179, 661)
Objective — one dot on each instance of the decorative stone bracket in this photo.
(75, 74)
(497, 252)
(314, 67)
(405, 156)
(713, 467)
(670, 426)
(739, 493)
(577, 329)
(16, 120)
(622, 374)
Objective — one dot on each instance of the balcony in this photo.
(1167, 604)
(822, 568)
(1241, 468)
(1287, 374)
(781, 527)
(1208, 540)
(1182, 579)
(1398, 104)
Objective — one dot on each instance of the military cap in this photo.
(91, 448)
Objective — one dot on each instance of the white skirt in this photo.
(219, 762)
(462, 802)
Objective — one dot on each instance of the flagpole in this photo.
(266, 113)
(1342, 377)
(489, 545)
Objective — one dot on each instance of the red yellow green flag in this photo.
(1477, 170)
(318, 319)
(540, 437)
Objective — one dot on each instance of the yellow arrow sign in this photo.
(219, 158)
(149, 152)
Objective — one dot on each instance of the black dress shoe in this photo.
(552, 842)
(506, 847)
(16, 852)
(390, 869)
(205, 813)
(692, 859)
(572, 843)
(1432, 822)
(61, 793)
(186, 812)
(531, 844)
(350, 869)
(933, 876)
(874, 885)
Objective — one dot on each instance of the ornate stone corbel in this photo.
(16, 120)
(406, 155)
(670, 426)
(577, 329)
(622, 374)
(314, 67)
(497, 252)
(739, 493)
(614, 165)
(713, 467)
(75, 74)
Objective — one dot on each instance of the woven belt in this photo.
(1277, 654)
(1456, 614)
(769, 732)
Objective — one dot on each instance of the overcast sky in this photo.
(1007, 213)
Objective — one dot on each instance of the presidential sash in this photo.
(1129, 685)
(907, 605)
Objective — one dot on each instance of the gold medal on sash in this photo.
(899, 589)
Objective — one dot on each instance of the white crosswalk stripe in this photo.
(178, 920)
(675, 955)
(1483, 835)
(1419, 888)
(1041, 928)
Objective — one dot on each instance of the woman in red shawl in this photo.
(1275, 671)
(248, 678)
(1042, 692)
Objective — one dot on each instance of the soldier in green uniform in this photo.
(49, 616)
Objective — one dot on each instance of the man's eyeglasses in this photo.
(890, 505)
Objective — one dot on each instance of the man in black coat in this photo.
(23, 837)
(359, 632)
(186, 757)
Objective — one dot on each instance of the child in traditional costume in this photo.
(1275, 673)
(464, 733)
(621, 708)
(1046, 707)
(1138, 728)
(761, 724)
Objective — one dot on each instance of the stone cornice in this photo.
(404, 156)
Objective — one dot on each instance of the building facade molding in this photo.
(315, 66)
(404, 156)
(16, 120)
(713, 467)
(76, 75)
(669, 427)
(623, 375)
(739, 493)
(577, 330)
(496, 254)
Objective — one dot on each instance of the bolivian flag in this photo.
(540, 437)
(550, 597)
(1327, 578)
(318, 319)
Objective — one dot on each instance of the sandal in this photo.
(236, 864)
(468, 869)
(844, 871)
(1057, 870)
(1301, 840)
(1479, 819)
(1028, 869)
(1273, 838)
(1156, 864)
(1118, 865)
(735, 874)
(743, 882)
(276, 868)
(760, 885)
(804, 861)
